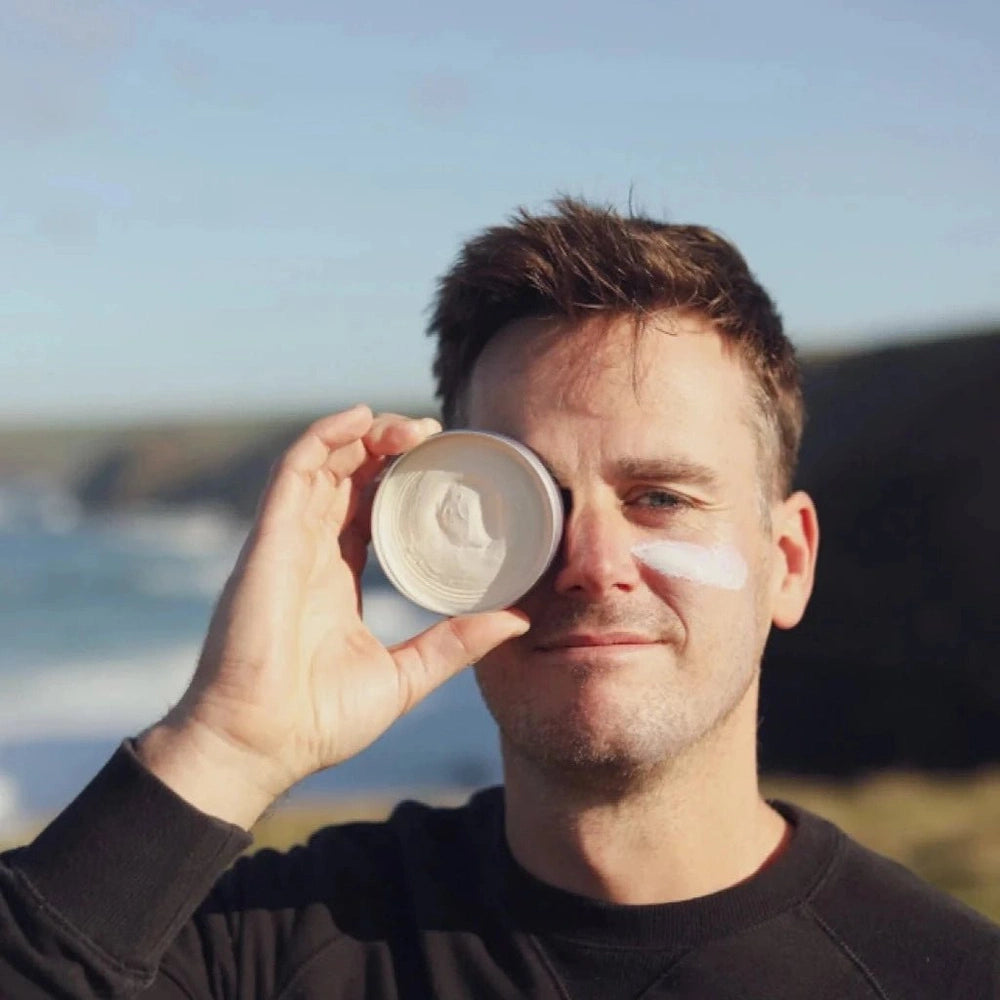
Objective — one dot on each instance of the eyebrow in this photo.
(677, 470)
(663, 470)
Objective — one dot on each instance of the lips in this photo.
(577, 640)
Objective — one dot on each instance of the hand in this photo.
(290, 679)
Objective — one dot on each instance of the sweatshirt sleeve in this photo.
(91, 905)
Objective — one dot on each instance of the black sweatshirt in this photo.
(431, 904)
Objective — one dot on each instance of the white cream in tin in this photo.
(467, 521)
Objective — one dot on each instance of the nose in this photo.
(595, 558)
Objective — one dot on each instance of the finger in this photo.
(325, 438)
(391, 434)
(360, 507)
(429, 659)
(347, 499)
(332, 444)
(354, 550)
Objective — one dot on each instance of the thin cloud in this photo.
(191, 71)
(441, 96)
(55, 59)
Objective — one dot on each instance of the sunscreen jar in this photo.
(466, 521)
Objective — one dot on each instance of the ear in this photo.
(796, 537)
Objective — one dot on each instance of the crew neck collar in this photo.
(547, 911)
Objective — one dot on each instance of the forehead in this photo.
(674, 386)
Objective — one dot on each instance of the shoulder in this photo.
(346, 905)
(372, 861)
(417, 831)
(905, 932)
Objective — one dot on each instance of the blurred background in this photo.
(220, 220)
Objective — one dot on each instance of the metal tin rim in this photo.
(549, 491)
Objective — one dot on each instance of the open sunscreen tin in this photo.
(466, 521)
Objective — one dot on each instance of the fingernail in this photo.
(525, 622)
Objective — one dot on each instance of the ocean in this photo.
(101, 620)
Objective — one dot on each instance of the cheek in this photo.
(503, 661)
(714, 591)
(703, 612)
(718, 567)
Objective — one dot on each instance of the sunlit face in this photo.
(651, 440)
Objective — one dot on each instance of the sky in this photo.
(227, 207)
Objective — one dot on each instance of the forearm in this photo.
(89, 908)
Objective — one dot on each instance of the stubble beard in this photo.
(614, 741)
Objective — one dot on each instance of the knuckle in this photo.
(411, 666)
(460, 641)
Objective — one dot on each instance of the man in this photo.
(629, 853)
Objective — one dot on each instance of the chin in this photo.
(590, 759)
(596, 727)
(603, 728)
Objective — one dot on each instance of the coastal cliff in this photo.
(898, 658)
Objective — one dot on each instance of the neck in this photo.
(694, 826)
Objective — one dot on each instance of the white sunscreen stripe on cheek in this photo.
(718, 566)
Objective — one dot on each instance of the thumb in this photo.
(427, 660)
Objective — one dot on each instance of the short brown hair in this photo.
(581, 259)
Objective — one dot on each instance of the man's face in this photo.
(651, 440)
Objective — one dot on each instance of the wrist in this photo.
(206, 770)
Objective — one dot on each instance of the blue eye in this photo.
(659, 500)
